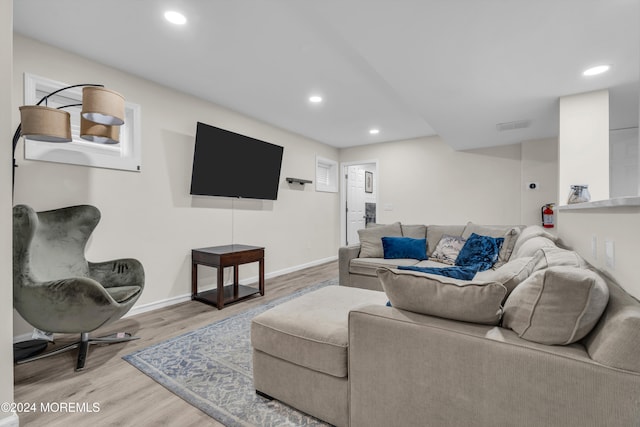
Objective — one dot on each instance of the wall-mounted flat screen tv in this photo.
(232, 165)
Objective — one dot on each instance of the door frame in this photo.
(343, 193)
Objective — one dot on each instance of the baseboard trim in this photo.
(144, 308)
(10, 421)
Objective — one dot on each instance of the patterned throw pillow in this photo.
(448, 249)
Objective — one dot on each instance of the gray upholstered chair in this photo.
(56, 289)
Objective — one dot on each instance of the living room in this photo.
(150, 215)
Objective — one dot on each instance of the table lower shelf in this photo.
(211, 296)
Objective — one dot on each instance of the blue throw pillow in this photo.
(479, 252)
(462, 273)
(404, 247)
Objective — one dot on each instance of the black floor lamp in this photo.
(102, 114)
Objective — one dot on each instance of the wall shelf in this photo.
(298, 180)
(599, 204)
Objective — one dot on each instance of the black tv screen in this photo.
(233, 165)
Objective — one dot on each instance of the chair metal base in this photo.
(83, 347)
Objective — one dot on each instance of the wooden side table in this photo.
(220, 257)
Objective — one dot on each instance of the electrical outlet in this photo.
(609, 253)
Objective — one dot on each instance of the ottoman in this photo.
(300, 350)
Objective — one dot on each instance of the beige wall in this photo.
(539, 165)
(584, 144)
(620, 225)
(425, 181)
(6, 290)
(150, 215)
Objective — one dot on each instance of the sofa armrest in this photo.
(410, 369)
(345, 255)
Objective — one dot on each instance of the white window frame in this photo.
(126, 155)
(326, 175)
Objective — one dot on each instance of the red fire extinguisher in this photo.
(548, 216)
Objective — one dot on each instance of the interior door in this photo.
(355, 203)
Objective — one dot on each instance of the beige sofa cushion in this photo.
(467, 301)
(530, 232)
(435, 233)
(554, 256)
(531, 246)
(312, 330)
(371, 239)
(369, 266)
(510, 235)
(614, 340)
(417, 231)
(510, 274)
(557, 305)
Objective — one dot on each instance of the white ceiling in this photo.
(408, 67)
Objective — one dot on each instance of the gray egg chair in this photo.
(56, 289)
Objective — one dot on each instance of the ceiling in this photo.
(410, 68)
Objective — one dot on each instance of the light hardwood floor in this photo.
(127, 397)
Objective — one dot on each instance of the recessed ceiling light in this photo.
(596, 70)
(374, 131)
(175, 17)
(315, 99)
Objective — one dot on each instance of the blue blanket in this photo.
(462, 273)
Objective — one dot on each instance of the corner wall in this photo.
(539, 165)
(583, 151)
(150, 215)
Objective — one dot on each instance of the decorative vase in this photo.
(579, 194)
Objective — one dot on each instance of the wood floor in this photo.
(127, 397)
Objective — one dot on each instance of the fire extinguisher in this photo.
(548, 216)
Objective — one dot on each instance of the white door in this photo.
(355, 203)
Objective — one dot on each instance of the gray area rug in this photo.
(211, 368)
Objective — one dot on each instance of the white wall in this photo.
(6, 290)
(539, 165)
(577, 228)
(150, 215)
(620, 225)
(624, 156)
(424, 181)
(584, 144)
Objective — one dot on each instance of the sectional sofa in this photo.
(358, 264)
(540, 338)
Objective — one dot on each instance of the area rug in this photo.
(211, 368)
